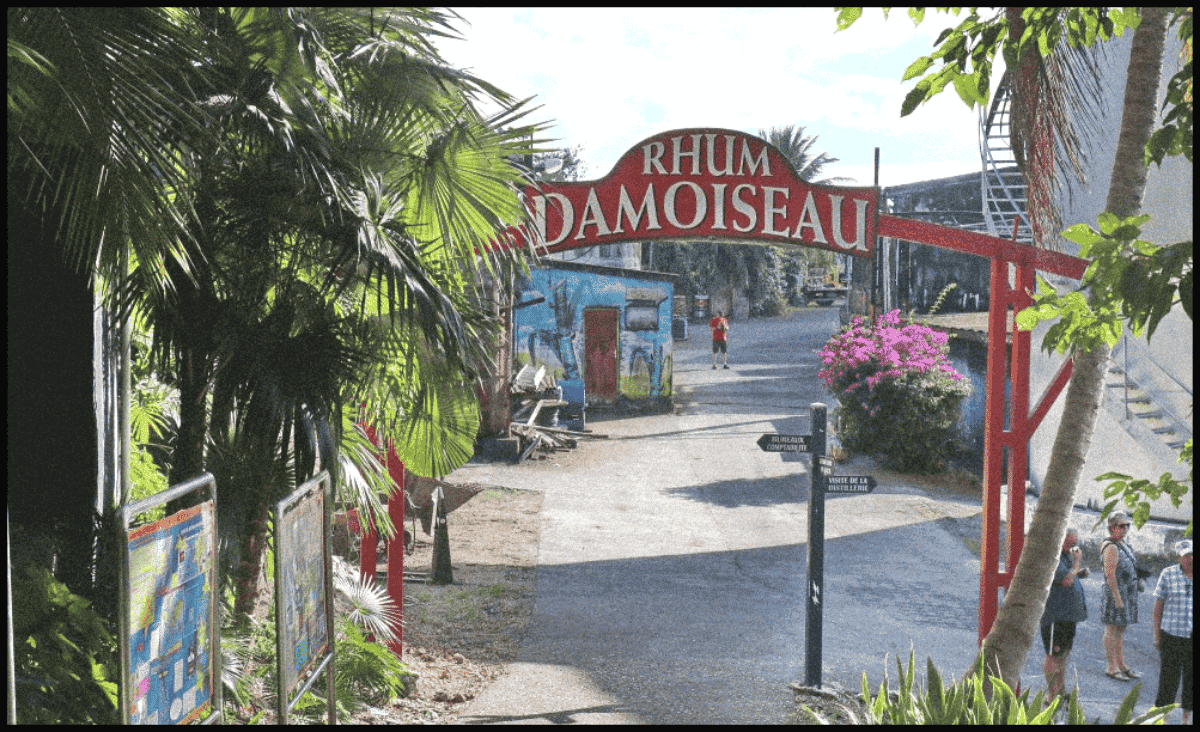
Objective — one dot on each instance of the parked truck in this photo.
(822, 286)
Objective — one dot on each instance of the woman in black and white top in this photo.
(1120, 596)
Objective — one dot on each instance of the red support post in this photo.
(395, 552)
(993, 445)
(366, 553)
(1020, 430)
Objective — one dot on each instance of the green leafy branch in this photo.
(1138, 492)
(1130, 280)
(965, 53)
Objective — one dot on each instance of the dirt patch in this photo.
(459, 637)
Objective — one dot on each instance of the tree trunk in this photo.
(53, 441)
(1007, 644)
(250, 568)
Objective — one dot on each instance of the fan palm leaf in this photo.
(97, 131)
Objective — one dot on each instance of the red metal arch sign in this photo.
(724, 185)
(704, 183)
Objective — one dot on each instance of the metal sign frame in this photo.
(128, 512)
(715, 171)
(320, 486)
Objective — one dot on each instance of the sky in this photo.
(611, 77)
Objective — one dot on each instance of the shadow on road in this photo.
(776, 491)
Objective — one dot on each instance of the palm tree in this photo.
(797, 147)
(1006, 645)
(330, 234)
(324, 176)
(95, 142)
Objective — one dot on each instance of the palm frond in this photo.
(796, 146)
(372, 609)
(99, 133)
(1057, 113)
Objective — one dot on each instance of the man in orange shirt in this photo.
(720, 331)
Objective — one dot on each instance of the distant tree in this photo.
(798, 148)
(572, 169)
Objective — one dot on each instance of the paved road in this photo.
(672, 557)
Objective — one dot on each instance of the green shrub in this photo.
(966, 702)
(898, 392)
(66, 659)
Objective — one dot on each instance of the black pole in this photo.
(816, 549)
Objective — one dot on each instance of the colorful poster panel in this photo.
(303, 627)
(171, 579)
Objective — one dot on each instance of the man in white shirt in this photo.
(1173, 630)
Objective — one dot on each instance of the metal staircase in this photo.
(1003, 185)
(1152, 405)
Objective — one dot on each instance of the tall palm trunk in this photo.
(1007, 644)
(250, 568)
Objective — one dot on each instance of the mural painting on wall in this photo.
(611, 332)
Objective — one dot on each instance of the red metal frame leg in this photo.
(395, 554)
(1020, 429)
(993, 447)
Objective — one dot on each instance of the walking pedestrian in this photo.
(1064, 608)
(1120, 596)
(1173, 630)
(720, 338)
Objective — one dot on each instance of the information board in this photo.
(303, 586)
(171, 582)
(302, 627)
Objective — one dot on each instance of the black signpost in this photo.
(816, 551)
(822, 481)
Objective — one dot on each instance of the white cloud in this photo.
(611, 77)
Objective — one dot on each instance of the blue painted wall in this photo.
(549, 326)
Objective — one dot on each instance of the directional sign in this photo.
(783, 443)
(849, 483)
(824, 461)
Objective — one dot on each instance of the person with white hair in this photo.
(1064, 608)
(1173, 630)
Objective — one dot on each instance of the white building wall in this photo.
(1165, 362)
(626, 255)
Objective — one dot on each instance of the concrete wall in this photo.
(1120, 444)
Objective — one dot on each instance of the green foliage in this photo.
(966, 52)
(968, 702)
(1175, 136)
(1129, 279)
(366, 668)
(1136, 493)
(67, 660)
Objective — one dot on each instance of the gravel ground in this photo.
(459, 637)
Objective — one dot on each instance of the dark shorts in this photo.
(720, 347)
(1062, 635)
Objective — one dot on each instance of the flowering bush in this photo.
(898, 391)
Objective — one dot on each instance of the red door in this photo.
(600, 347)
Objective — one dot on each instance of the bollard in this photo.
(442, 574)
